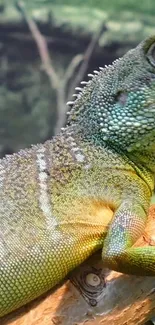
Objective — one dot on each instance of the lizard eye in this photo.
(121, 98)
(151, 54)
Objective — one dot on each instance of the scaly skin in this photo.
(57, 199)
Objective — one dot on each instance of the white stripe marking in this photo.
(2, 175)
(43, 196)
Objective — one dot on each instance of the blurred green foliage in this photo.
(25, 105)
(142, 6)
(27, 102)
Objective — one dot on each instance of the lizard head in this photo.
(118, 105)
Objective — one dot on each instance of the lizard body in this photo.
(57, 199)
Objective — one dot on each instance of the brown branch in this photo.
(117, 299)
(54, 80)
(59, 84)
(86, 59)
(61, 91)
(42, 46)
(72, 67)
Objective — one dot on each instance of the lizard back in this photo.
(41, 207)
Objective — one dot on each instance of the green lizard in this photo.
(57, 199)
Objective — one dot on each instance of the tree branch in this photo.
(86, 59)
(72, 67)
(96, 295)
(54, 79)
(60, 84)
(42, 46)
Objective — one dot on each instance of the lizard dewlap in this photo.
(57, 199)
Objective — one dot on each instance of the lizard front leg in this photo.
(118, 253)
